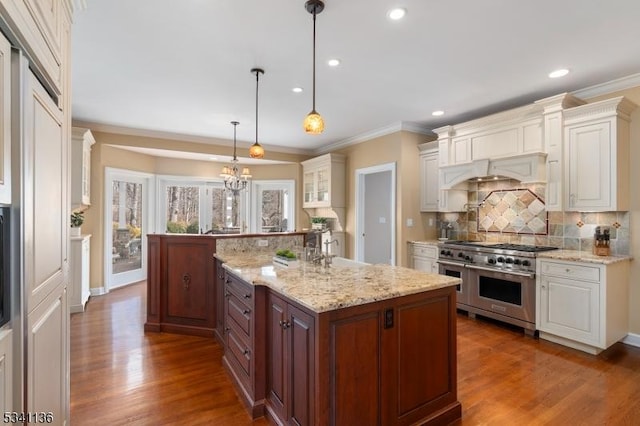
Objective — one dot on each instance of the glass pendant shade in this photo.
(313, 123)
(256, 151)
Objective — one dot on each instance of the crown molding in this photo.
(376, 133)
(619, 84)
(158, 134)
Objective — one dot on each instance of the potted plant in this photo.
(77, 219)
(318, 222)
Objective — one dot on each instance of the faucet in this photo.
(328, 256)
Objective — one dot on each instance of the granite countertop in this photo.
(427, 242)
(582, 256)
(325, 289)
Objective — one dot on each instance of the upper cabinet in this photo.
(5, 121)
(323, 181)
(432, 198)
(39, 26)
(596, 150)
(81, 142)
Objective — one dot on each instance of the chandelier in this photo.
(234, 181)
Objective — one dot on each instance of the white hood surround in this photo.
(513, 144)
(526, 168)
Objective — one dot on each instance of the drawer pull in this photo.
(186, 280)
(228, 281)
(227, 295)
(567, 270)
(246, 311)
(247, 296)
(245, 352)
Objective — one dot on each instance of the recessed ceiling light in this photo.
(558, 73)
(297, 90)
(437, 113)
(333, 62)
(397, 13)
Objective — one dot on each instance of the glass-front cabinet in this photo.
(323, 181)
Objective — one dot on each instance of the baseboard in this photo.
(632, 339)
(97, 291)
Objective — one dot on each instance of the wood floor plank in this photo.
(123, 376)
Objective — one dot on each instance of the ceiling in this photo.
(183, 68)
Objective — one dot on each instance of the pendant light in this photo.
(234, 181)
(256, 150)
(313, 122)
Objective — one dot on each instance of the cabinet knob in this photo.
(186, 281)
(227, 294)
(567, 270)
(285, 324)
(227, 280)
(247, 296)
(245, 352)
(246, 311)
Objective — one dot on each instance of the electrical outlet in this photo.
(409, 222)
(263, 243)
(430, 221)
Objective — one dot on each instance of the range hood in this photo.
(527, 168)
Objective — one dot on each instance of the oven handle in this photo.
(448, 263)
(520, 274)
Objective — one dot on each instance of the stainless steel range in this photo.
(498, 280)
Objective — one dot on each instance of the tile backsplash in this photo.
(509, 214)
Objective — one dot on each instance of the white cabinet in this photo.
(432, 198)
(79, 278)
(6, 371)
(39, 27)
(81, 142)
(582, 305)
(597, 156)
(5, 121)
(323, 181)
(424, 257)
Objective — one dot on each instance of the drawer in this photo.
(568, 270)
(239, 353)
(240, 313)
(241, 290)
(425, 251)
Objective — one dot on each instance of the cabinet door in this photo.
(6, 371)
(46, 206)
(46, 349)
(422, 264)
(5, 121)
(589, 167)
(429, 187)
(190, 298)
(309, 188)
(301, 366)
(276, 348)
(323, 196)
(570, 308)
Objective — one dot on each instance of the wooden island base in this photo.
(391, 362)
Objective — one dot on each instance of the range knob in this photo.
(442, 252)
(467, 258)
(526, 263)
(516, 262)
(492, 261)
(461, 254)
(448, 253)
(509, 260)
(500, 259)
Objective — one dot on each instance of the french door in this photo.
(127, 201)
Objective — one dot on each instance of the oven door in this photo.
(453, 269)
(509, 294)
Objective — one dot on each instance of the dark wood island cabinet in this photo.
(180, 284)
(385, 362)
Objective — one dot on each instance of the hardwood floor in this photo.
(120, 375)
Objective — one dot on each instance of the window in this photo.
(274, 205)
(193, 207)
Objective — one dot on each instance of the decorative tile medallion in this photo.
(515, 211)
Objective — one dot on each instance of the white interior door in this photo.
(127, 201)
(375, 214)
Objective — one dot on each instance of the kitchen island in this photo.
(356, 344)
